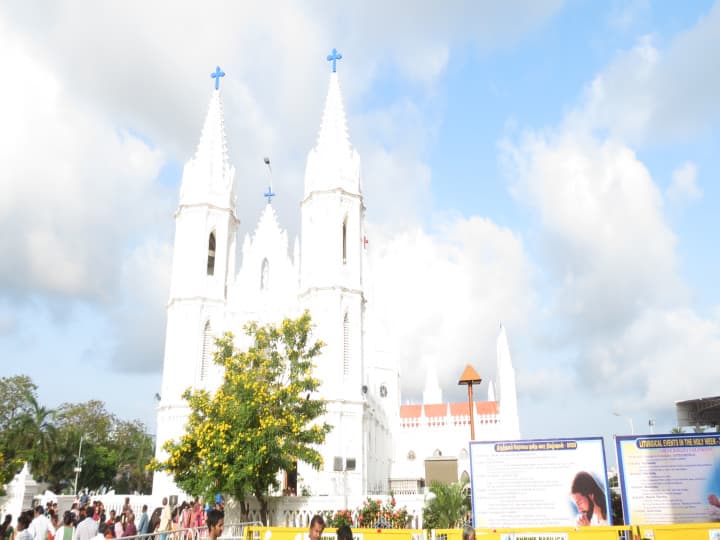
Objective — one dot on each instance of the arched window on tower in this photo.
(211, 255)
(346, 346)
(207, 352)
(344, 241)
(265, 275)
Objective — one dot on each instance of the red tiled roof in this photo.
(439, 409)
(458, 408)
(487, 407)
(410, 411)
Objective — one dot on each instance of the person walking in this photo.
(142, 525)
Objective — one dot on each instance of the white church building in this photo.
(377, 443)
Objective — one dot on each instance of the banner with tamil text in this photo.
(539, 482)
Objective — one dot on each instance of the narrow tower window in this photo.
(207, 352)
(211, 255)
(346, 346)
(265, 275)
(344, 241)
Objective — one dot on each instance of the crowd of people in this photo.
(89, 521)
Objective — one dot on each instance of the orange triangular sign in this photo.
(470, 376)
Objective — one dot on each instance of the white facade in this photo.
(326, 274)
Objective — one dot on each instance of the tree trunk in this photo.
(263, 508)
(244, 511)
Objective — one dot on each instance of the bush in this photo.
(339, 518)
(373, 514)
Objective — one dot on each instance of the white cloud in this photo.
(139, 317)
(663, 356)
(606, 243)
(74, 186)
(650, 94)
(684, 184)
(428, 293)
(629, 333)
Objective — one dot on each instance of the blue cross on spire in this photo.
(269, 194)
(216, 75)
(334, 57)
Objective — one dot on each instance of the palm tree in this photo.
(447, 506)
(35, 430)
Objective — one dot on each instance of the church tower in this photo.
(331, 287)
(203, 265)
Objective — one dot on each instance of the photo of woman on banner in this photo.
(589, 499)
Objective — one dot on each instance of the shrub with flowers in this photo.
(339, 518)
(373, 514)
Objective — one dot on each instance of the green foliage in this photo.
(259, 421)
(18, 409)
(616, 507)
(374, 514)
(115, 452)
(448, 507)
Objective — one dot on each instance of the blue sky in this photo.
(549, 164)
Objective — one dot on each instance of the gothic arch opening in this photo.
(344, 241)
(211, 255)
(265, 275)
(346, 345)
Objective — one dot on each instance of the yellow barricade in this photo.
(690, 531)
(535, 533)
(294, 533)
(557, 533)
(686, 531)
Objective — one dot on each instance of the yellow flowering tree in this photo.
(259, 421)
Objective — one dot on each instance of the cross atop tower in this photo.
(334, 57)
(216, 75)
(269, 194)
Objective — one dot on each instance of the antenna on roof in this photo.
(269, 194)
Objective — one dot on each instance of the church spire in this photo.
(507, 394)
(208, 176)
(334, 136)
(333, 163)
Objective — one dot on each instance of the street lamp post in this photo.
(78, 468)
(630, 421)
(469, 378)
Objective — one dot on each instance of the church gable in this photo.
(268, 277)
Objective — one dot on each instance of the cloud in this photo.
(614, 293)
(138, 320)
(429, 292)
(663, 356)
(651, 94)
(605, 241)
(74, 186)
(684, 184)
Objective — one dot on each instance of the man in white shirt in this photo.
(40, 525)
(102, 529)
(165, 517)
(88, 527)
